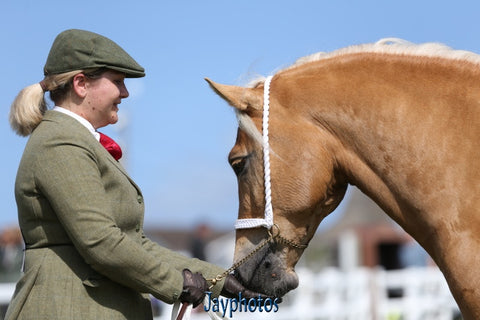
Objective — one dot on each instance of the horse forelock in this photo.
(394, 46)
(255, 82)
(244, 121)
(246, 124)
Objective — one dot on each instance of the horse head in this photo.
(397, 120)
(305, 186)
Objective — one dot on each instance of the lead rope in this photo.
(185, 311)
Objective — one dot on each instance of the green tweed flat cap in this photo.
(79, 49)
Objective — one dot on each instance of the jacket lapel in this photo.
(122, 169)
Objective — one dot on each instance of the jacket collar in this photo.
(80, 119)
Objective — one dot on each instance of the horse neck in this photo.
(400, 127)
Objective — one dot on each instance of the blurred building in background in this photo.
(11, 259)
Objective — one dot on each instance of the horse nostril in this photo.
(268, 264)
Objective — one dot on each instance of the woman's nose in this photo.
(124, 92)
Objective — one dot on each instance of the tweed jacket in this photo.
(81, 217)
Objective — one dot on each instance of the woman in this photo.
(80, 213)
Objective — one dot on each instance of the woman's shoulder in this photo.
(58, 126)
(60, 132)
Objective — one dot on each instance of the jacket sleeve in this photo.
(68, 175)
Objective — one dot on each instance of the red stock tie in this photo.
(111, 146)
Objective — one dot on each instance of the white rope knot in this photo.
(267, 221)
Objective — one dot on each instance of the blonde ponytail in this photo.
(29, 106)
(27, 109)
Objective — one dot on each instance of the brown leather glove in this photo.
(194, 288)
(232, 287)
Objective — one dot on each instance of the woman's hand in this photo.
(194, 288)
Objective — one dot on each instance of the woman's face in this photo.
(103, 95)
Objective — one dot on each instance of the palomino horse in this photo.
(398, 120)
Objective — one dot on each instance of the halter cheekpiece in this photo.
(267, 221)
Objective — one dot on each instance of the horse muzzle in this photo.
(267, 273)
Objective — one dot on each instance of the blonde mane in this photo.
(395, 46)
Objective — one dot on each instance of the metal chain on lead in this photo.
(271, 236)
(291, 243)
(219, 277)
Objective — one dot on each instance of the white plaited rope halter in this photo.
(267, 221)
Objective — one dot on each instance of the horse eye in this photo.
(238, 164)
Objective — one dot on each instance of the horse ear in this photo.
(238, 97)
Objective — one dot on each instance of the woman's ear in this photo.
(79, 85)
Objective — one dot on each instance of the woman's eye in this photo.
(238, 164)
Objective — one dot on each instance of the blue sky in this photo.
(176, 131)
